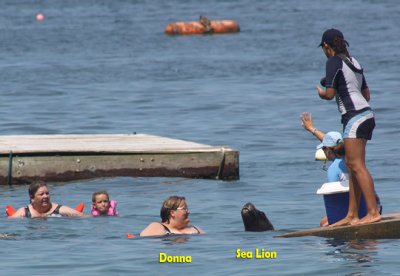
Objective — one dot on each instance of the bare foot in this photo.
(324, 222)
(345, 221)
(369, 219)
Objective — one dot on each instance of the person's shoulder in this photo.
(201, 231)
(338, 162)
(334, 170)
(153, 229)
(342, 163)
(334, 61)
(355, 62)
(156, 224)
(353, 59)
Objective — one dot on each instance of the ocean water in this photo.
(107, 67)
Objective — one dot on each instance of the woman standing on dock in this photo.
(345, 81)
(41, 206)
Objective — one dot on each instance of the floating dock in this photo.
(387, 228)
(59, 158)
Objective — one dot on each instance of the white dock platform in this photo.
(59, 158)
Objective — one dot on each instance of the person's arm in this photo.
(307, 123)
(333, 64)
(326, 94)
(365, 89)
(153, 229)
(68, 211)
(20, 213)
(366, 94)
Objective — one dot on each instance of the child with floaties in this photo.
(102, 206)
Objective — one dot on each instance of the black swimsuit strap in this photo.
(198, 231)
(166, 228)
(169, 231)
(57, 210)
(27, 212)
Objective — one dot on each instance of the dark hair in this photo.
(171, 203)
(99, 193)
(338, 150)
(339, 45)
(34, 186)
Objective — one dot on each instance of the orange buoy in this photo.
(195, 27)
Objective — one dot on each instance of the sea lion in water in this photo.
(254, 219)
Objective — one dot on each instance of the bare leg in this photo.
(355, 160)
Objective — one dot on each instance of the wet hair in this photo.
(338, 150)
(99, 193)
(339, 45)
(34, 187)
(171, 203)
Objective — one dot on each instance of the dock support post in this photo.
(9, 175)
(221, 165)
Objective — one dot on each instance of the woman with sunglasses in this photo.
(174, 219)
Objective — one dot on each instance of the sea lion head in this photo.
(254, 219)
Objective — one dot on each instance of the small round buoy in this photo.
(130, 235)
(320, 155)
(39, 17)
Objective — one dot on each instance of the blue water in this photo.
(107, 67)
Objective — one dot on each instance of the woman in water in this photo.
(174, 219)
(40, 205)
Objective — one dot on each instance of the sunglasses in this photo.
(186, 209)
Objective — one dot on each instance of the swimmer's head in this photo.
(170, 204)
(95, 194)
(34, 187)
(101, 202)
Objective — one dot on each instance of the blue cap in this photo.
(331, 139)
(330, 35)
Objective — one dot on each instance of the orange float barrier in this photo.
(11, 211)
(195, 27)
